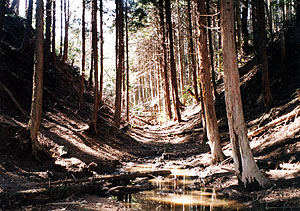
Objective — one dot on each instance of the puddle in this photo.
(177, 192)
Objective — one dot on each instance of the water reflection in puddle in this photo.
(175, 193)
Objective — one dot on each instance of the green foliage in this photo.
(137, 14)
(74, 53)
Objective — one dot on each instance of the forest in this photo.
(149, 105)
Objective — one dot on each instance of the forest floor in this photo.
(74, 155)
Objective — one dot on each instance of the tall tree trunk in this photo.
(245, 166)
(28, 27)
(37, 89)
(211, 51)
(82, 56)
(18, 8)
(48, 36)
(219, 39)
(172, 62)
(90, 82)
(95, 54)
(269, 15)
(245, 32)
(165, 63)
(260, 41)
(204, 136)
(54, 32)
(2, 15)
(205, 78)
(127, 63)
(192, 52)
(61, 27)
(180, 49)
(120, 64)
(15, 6)
(101, 51)
(66, 41)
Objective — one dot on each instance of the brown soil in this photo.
(72, 152)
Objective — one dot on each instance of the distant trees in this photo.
(61, 27)
(164, 62)
(260, 42)
(53, 31)
(48, 35)
(28, 26)
(244, 27)
(191, 49)
(37, 90)
(172, 62)
(245, 166)
(83, 56)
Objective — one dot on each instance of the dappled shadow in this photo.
(282, 150)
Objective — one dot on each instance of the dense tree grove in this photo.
(168, 55)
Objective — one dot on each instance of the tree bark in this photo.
(66, 41)
(260, 42)
(205, 78)
(37, 89)
(120, 63)
(48, 36)
(61, 27)
(101, 51)
(165, 63)
(192, 52)
(172, 62)
(95, 64)
(181, 52)
(245, 166)
(82, 57)
(54, 32)
(127, 63)
(211, 51)
(90, 82)
(28, 27)
(204, 136)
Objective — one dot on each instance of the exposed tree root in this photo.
(13, 98)
(275, 122)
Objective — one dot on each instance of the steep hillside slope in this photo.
(71, 151)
